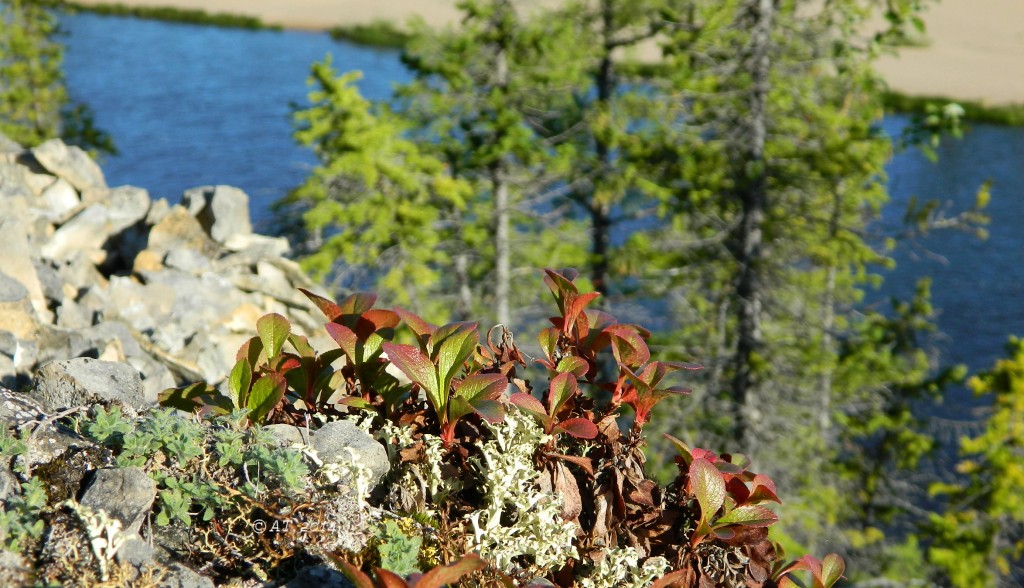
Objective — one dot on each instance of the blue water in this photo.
(190, 105)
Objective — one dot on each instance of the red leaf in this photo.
(357, 303)
(345, 338)
(418, 368)
(528, 403)
(354, 574)
(326, 306)
(421, 328)
(574, 307)
(764, 490)
(441, 575)
(578, 427)
(388, 579)
(481, 386)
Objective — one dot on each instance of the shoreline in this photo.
(973, 50)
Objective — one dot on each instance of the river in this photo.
(190, 105)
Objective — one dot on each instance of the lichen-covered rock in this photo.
(84, 381)
(126, 494)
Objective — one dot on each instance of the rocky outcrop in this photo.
(87, 270)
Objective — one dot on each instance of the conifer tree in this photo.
(34, 104)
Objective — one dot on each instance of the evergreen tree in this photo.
(31, 83)
(377, 208)
(34, 105)
(978, 540)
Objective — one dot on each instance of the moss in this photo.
(168, 14)
(1011, 115)
(379, 33)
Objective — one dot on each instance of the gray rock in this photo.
(222, 210)
(126, 494)
(251, 248)
(70, 163)
(180, 230)
(288, 435)
(61, 201)
(16, 262)
(318, 577)
(8, 145)
(16, 313)
(14, 570)
(84, 381)
(188, 260)
(46, 440)
(93, 227)
(341, 441)
(9, 485)
(181, 576)
(136, 552)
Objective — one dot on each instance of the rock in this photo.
(126, 494)
(46, 440)
(288, 435)
(84, 381)
(8, 145)
(342, 441)
(9, 485)
(182, 576)
(16, 262)
(16, 314)
(92, 228)
(223, 211)
(70, 163)
(318, 577)
(253, 247)
(136, 552)
(188, 260)
(14, 570)
(180, 230)
(61, 201)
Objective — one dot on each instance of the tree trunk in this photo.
(748, 244)
(502, 210)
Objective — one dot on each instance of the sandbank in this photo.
(975, 48)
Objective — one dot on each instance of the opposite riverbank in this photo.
(974, 49)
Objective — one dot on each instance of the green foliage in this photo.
(21, 525)
(399, 551)
(978, 538)
(1011, 115)
(34, 105)
(172, 14)
(379, 33)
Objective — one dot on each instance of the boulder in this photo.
(223, 211)
(16, 314)
(342, 441)
(84, 381)
(70, 163)
(61, 201)
(17, 263)
(126, 494)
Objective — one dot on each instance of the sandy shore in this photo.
(976, 49)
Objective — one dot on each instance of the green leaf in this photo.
(481, 386)
(357, 303)
(549, 342)
(273, 329)
(573, 364)
(266, 393)
(832, 568)
(749, 515)
(419, 369)
(563, 387)
(708, 485)
(457, 343)
(239, 382)
(196, 397)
